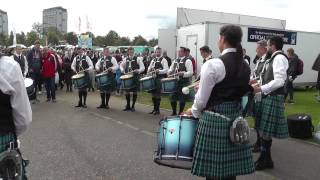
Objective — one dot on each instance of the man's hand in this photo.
(180, 74)
(188, 112)
(256, 88)
(136, 71)
(253, 81)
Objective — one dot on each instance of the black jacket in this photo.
(293, 65)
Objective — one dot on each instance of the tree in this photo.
(139, 41)
(124, 41)
(53, 38)
(111, 38)
(31, 38)
(37, 27)
(99, 41)
(153, 42)
(71, 38)
(3, 39)
(21, 38)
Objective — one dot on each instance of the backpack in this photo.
(299, 68)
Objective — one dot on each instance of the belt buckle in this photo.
(12, 146)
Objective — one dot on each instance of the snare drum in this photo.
(79, 81)
(30, 88)
(169, 85)
(127, 81)
(175, 142)
(103, 80)
(148, 83)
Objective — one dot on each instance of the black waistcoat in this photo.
(134, 63)
(81, 62)
(6, 117)
(20, 61)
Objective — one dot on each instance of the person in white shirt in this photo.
(109, 65)
(217, 103)
(182, 68)
(272, 121)
(15, 109)
(82, 63)
(205, 53)
(160, 65)
(21, 60)
(132, 64)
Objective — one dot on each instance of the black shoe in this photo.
(133, 109)
(84, 106)
(126, 109)
(256, 148)
(54, 100)
(173, 114)
(291, 102)
(152, 112)
(107, 107)
(101, 106)
(48, 100)
(263, 164)
(79, 105)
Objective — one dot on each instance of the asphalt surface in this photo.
(74, 144)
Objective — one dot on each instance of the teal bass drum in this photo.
(176, 141)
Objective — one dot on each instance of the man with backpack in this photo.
(293, 71)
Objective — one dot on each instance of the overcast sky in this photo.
(145, 17)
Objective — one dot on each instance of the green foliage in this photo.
(31, 38)
(71, 38)
(112, 38)
(124, 41)
(153, 42)
(53, 38)
(139, 41)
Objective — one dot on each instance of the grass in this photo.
(305, 102)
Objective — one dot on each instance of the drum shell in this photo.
(79, 82)
(176, 138)
(103, 80)
(169, 85)
(148, 84)
(31, 91)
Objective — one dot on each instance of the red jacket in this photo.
(48, 66)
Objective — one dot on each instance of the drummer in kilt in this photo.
(183, 68)
(160, 65)
(107, 64)
(223, 82)
(272, 122)
(82, 63)
(132, 64)
(262, 54)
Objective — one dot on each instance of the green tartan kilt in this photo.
(178, 95)
(136, 83)
(109, 88)
(256, 114)
(87, 79)
(272, 119)
(158, 86)
(6, 139)
(215, 156)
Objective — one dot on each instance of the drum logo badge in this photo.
(172, 131)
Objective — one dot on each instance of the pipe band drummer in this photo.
(107, 64)
(223, 82)
(132, 64)
(82, 63)
(160, 65)
(183, 68)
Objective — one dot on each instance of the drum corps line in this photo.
(212, 137)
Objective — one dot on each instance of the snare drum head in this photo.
(126, 76)
(168, 79)
(77, 76)
(146, 78)
(101, 74)
(28, 82)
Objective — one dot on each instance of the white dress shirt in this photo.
(212, 72)
(26, 67)
(12, 83)
(164, 64)
(260, 60)
(280, 66)
(114, 62)
(188, 65)
(139, 61)
(74, 63)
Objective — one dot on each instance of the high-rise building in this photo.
(56, 18)
(3, 22)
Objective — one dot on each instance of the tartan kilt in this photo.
(214, 155)
(158, 84)
(87, 79)
(109, 88)
(136, 83)
(272, 119)
(256, 110)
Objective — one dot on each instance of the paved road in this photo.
(75, 144)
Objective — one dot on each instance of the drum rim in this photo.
(147, 78)
(28, 82)
(168, 79)
(157, 160)
(129, 76)
(77, 76)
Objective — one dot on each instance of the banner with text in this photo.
(257, 34)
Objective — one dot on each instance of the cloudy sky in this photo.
(145, 17)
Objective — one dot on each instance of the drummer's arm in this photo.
(151, 66)
(212, 73)
(123, 62)
(98, 65)
(73, 65)
(170, 71)
(89, 63)
(189, 68)
(164, 63)
(115, 65)
(26, 66)
(141, 65)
